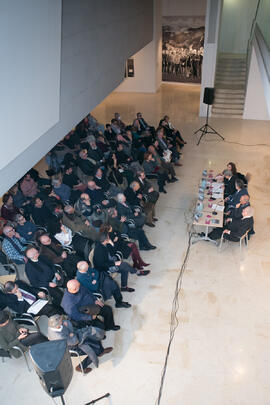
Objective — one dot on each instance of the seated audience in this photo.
(103, 261)
(120, 244)
(78, 223)
(153, 171)
(42, 273)
(26, 229)
(161, 162)
(97, 282)
(61, 190)
(53, 251)
(40, 213)
(28, 186)
(87, 165)
(21, 297)
(13, 245)
(11, 334)
(85, 341)
(78, 304)
(8, 209)
(121, 223)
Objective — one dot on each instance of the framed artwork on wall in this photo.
(182, 48)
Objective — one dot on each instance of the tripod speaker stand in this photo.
(206, 128)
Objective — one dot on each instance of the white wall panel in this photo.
(97, 37)
(30, 46)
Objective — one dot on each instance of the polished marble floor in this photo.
(220, 354)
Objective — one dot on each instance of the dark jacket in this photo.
(101, 259)
(13, 302)
(239, 226)
(9, 338)
(27, 231)
(40, 273)
(52, 252)
(96, 196)
(229, 186)
(41, 216)
(235, 198)
(86, 166)
(72, 302)
(132, 197)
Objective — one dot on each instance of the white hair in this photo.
(120, 197)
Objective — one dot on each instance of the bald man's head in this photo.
(82, 266)
(73, 286)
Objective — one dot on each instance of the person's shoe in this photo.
(143, 273)
(178, 164)
(162, 190)
(145, 248)
(155, 219)
(115, 327)
(123, 304)
(149, 224)
(174, 179)
(105, 351)
(86, 370)
(127, 289)
(151, 247)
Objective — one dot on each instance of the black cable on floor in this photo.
(174, 319)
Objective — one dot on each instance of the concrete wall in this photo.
(183, 7)
(147, 62)
(257, 102)
(212, 21)
(29, 71)
(97, 38)
(236, 21)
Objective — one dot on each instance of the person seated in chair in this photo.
(120, 223)
(77, 223)
(234, 199)
(26, 229)
(9, 210)
(20, 298)
(11, 334)
(40, 213)
(75, 301)
(28, 186)
(235, 228)
(103, 261)
(86, 341)
(42, 273)
(229, 183)
(97, 195)
(87, 165)
(97, 282)
(53, 251)
(13, 245)
(232, 167)
(153, 171)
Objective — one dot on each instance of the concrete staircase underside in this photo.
(230, 86)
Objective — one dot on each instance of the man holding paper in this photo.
(21, 298)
